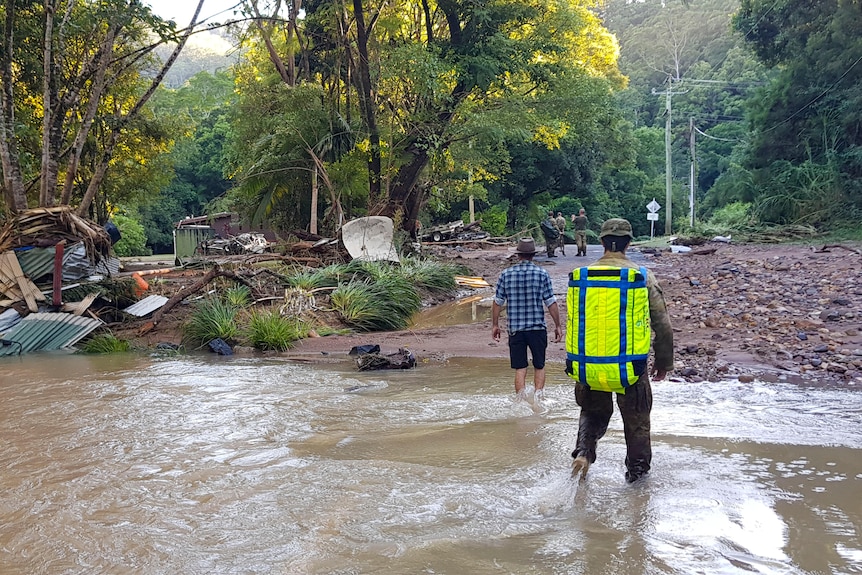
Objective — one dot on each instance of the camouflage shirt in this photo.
(561, 223)
(581, 223)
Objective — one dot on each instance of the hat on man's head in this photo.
(616, 227)
(526, 246)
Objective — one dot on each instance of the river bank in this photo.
(774, 312)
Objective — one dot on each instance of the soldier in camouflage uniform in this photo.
(581, 223)
(560, 221)
(634, 405)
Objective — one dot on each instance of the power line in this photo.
(702, 133)
(823, 93)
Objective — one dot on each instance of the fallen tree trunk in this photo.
(178, 297)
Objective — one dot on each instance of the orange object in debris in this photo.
(141, 284)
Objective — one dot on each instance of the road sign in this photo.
(652, 217)
(653, 206)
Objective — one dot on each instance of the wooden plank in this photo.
(30, 292)
(8, 284)
(79, 307)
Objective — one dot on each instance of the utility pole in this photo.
(668, 159)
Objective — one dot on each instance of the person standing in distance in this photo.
(560, 221)
(613, 305)
(581, 223)
(526, 289)
(551, 233)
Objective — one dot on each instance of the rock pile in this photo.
(791, 309)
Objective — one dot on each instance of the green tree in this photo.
(423, 78)
(71, 93)
(806, 147)
(133, 241)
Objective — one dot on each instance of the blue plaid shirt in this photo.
(525, 287)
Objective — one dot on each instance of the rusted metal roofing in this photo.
(147, 305)
(47, 332)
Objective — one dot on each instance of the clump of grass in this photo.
(105, 343)
(313, 279)
(211, 319)
(384, 305)
(434, 277)
(270, 331)
(238, 296)
(354, 302)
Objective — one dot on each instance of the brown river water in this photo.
(212, 465)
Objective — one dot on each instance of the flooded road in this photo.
(209, 465)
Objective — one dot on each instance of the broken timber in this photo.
(17, 286)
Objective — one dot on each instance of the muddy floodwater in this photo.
(209, 465)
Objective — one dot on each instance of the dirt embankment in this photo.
(741, 311)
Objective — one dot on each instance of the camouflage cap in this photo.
(616, 227)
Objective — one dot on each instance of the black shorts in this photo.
(536, 340)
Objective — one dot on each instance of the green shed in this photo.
(187, 239)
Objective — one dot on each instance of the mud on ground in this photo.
(742, 311)
(739, 311)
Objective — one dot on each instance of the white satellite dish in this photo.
(369, 239)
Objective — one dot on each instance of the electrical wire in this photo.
(823, 93)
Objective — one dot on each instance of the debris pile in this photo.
(47, 227)
(48, 244)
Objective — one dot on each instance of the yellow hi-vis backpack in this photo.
(608, 335)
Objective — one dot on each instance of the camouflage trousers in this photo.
(581, 241)
(596, 410)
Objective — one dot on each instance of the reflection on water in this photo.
(239, 465)
(473, 309)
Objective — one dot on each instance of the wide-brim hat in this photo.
(526, 246)
(616, 227)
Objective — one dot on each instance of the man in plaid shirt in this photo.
(526, 290)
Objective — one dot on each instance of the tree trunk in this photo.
(313, 221)
(404, 197)
(102, 166)
(49, 98)
(366, 104)
(14, 193)
(288, 77)
(98, 85)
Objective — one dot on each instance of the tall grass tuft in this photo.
(211, 319)
(384, 305)
(238, 296)
(354, 302)
(432, 276)
(270, 331)
(105, 343)
(314, 279)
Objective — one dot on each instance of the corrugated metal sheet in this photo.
(8, 319)
(37, 263)
(48, 332)
(147, 305)
(187, 238)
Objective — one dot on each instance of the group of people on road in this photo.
(613, 307)
(554, 231)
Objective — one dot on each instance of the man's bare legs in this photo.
(521, 379)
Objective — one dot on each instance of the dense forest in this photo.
(299, 116)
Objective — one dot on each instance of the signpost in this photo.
(652, 216)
